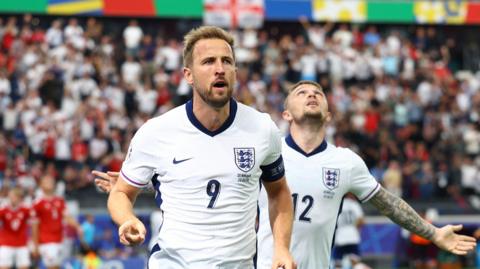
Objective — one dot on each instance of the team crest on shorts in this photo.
(244, 158)
(331, 177)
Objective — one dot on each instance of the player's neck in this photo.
(48, 195)
(211, 118)
(14, 206)
(307, 137)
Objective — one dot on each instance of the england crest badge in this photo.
(331, 177)
(244, 158)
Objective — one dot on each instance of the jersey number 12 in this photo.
(307, 199)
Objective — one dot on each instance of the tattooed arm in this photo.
(401, 213)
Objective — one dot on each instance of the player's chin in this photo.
(314, 114)
(219, 100)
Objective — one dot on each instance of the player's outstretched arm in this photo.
(401, 213)
(131, 230)
(280, 209)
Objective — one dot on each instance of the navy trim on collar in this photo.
(291, 143)
(200, 127)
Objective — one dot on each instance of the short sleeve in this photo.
(139, 165)
(362, 183)
(272, 167)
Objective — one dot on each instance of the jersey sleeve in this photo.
(362, 183)
(139, 165)
(272, 167)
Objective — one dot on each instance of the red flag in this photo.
(473, 13)
(129, 8)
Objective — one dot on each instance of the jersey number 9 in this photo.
(213, 190)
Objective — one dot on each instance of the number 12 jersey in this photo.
(318, 181)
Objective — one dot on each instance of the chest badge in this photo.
(331, 177)
(244, 158)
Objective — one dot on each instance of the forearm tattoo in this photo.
(401, 213)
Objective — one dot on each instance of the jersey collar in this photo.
(291, 143)
(200, 127)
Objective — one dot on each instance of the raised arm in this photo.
(304, 22)
(280, 209)
(404, 215)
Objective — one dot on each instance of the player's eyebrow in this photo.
(317, 90)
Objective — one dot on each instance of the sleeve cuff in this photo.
(133, 182)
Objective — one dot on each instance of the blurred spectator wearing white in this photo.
(132, 36)
(131, 71)
(54, 35)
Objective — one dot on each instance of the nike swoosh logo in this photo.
(180, 161)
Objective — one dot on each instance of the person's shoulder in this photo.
(26, 209)
(249, 113)
(344, 153)
(170, 117)
(37, 201)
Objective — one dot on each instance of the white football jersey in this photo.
(207, 184)
(318, 181)
(347, 232)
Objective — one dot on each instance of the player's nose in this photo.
(219, 68)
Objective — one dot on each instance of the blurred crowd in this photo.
(72, 94)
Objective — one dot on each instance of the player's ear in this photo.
(286, 115)
(187, 74)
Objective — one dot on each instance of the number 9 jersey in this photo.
(206, 184)
(318, 181)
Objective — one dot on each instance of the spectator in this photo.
(132, 36)
(89, 230)
(54, 35)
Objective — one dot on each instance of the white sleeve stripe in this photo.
(133, 182)
(371, 194)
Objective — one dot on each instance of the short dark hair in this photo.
(203, 32)
(298, 84)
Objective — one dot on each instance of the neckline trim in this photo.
(200, 127)
(291, 143)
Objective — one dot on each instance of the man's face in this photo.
(212, 72)
(14, 198)
(47, 184)
(307, 102)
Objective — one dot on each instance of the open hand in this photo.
(446, 238)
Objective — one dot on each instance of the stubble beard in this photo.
(314, 117)
(207, 97)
